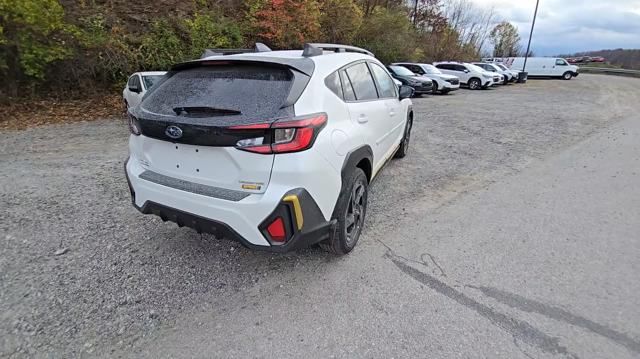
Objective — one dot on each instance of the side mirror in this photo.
(466, 71)
(406, 92)
(135, 89)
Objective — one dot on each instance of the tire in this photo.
(350, 213)
(434, 89)
(567, 75)
(474, 84)
(404, 144)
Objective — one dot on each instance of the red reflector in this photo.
(276, 230)
(262, 149)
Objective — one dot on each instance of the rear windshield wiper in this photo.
(204, 111)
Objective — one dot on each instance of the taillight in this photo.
(134, 126)
(284, 136)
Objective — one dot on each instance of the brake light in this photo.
(276, 230)
(253, 126)
(285, 136)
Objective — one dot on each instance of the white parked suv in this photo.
(137, 86)
(507, 76)
(273, 148)
(442, 82)
(514, 74)
(470, 75)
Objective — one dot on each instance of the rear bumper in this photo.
(300, 240)
(236, 220)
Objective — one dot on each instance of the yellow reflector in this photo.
(293, 199)
(251, 186)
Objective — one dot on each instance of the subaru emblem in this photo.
(173, 131)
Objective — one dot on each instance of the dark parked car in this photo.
(421, 85)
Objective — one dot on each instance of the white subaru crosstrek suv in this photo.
(442, 82)
(470, 75)
(273, 148)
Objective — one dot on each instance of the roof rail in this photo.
(259, 47)
(316, 49)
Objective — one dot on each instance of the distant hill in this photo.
(625, 58)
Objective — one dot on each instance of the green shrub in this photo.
(210, 31)
(162, 47)
(32, 35)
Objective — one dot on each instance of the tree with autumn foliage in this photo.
(505, 39)
(340, 20)
(84, 46)
(285, 23)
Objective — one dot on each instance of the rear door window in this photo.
(362, 82)
(347, 89)
(223, 94)
(386, 86)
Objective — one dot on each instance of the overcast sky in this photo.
(568, 26)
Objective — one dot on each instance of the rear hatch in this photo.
(192, 122)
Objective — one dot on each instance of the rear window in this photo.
(240, 93)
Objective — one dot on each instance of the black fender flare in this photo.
(354, 157)
(351, 161)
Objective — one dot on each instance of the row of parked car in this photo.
(444, 77)
(424, 78)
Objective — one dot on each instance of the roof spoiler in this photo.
(317, 49)
(259, 47)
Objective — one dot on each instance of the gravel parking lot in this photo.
(486, 241)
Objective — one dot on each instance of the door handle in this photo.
(363, 118)
(392, 113)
